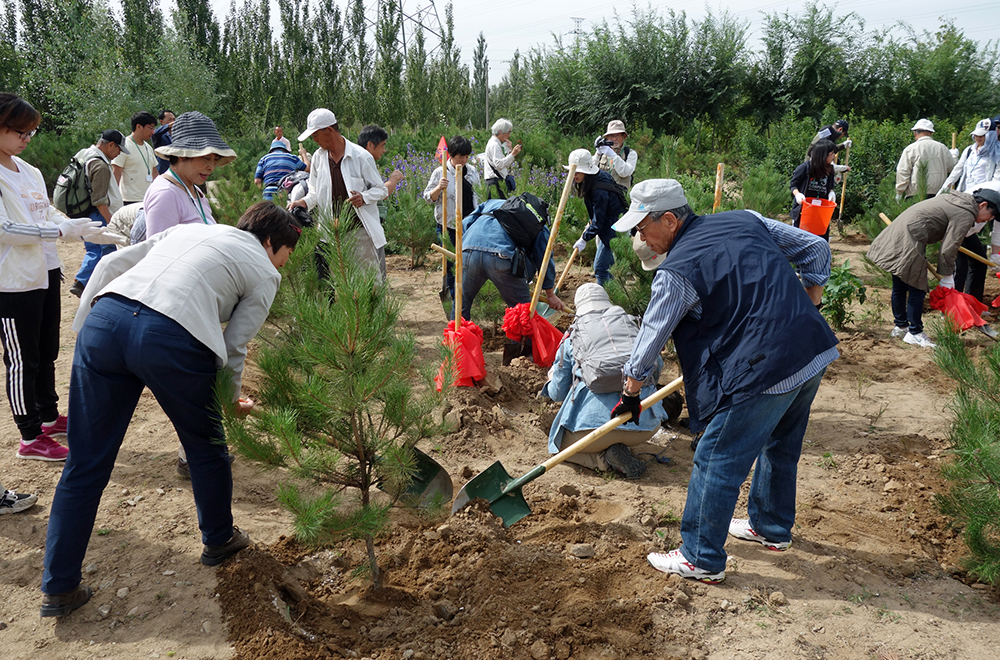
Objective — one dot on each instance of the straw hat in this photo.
(194, 135)
(591, 297)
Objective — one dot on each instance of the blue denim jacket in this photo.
(583, 410)
(482, 232)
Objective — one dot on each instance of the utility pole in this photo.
(578, 30)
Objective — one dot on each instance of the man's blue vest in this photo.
(758, 325)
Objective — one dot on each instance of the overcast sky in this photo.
(509, 25)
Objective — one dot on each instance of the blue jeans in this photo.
(477, 267)
(907, 304)
(94, 253)
(603, 261)
(123, 347)
(767, 429)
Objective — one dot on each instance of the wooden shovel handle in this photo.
(566, 269)
(610, 425)
(540, 277)
(448, 254)
(458, 246)
(843, 188)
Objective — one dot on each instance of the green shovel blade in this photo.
(499, 489)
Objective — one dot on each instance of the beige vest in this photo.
(607, 165)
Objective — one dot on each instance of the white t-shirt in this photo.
(138, 168)
(36, 202)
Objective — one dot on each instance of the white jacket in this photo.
(22, 262)
(360, 175)
(965, 164)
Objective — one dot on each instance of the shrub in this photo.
(765, 190)
(839, 293)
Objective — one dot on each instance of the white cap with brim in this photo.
(318, 119)
(982, 128)
(650, 196)
(591, 297)
(650, 260)
(583, 161)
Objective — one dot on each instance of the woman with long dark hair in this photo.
(814, 178)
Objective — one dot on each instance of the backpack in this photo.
(71, 194)
(523, 217)
(602, 344)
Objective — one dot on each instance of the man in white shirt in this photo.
(613, 156)
(136, 169)
(343, 172)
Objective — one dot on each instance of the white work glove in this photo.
(106, 238)
(995, 258)
(832, 196)
(73, 229)
(580, 245)
(954, 153)
(799, 198)
(846, 143)
(606, 151)
(948, 282)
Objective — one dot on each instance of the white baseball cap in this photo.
(923, 125)
(648, 197)
(319, 119)
(982, 128)
(584, 163)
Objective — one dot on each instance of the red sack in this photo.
(963, 310)
(469, 365)
(545, 337)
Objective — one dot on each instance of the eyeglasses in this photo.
(651, 220)
(27, 135)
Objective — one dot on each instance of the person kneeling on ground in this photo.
(587, 401)
(150, 318)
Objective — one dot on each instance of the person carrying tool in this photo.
(601, 332)
(753, 349)
(901, 249)
(605, 202)
(441, 186)
(489, 253)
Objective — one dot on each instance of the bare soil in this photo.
(873, 571)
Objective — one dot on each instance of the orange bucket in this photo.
(816, 215)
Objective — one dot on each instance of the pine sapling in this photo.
(338, 409)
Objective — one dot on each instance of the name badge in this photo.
(149, 177)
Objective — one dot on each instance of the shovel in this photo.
(444, 293)
(431, 485)
(504, 493)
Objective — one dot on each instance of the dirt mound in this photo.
(468, 588)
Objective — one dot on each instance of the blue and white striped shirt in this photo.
(674, 297)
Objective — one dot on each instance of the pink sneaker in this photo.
(56, 428)
(43, 448)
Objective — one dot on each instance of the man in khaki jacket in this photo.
(925, 156)
(901, 249)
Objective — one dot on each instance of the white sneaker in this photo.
(741, 529)
(920, 339)
(898, 332)
(674, 562)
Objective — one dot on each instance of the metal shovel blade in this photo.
(431, 485)
(547, 312)
(989, 332)
(496, 487)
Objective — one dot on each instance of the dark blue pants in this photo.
(970, 275)
(451, 265)
(907, 304)
(123, 347)
(94, 253)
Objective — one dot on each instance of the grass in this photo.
(103, 532)
(827, 462)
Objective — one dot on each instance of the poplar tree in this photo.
(296, 66)
(331, 52)
(419, 87)
(388, 65)
(480, 84)
(362, 87)
(451, 77)
(197, 24)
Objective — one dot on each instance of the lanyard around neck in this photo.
(197, 205)
(142, 152)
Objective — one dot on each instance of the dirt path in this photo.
(871, 573)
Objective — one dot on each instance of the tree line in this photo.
(86, 68)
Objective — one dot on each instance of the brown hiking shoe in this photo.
(63, 604)
(213, 555)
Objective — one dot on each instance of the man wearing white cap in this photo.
(613, 156)
(753, 349)
(342, 172)
(980, 161)
(924, 157)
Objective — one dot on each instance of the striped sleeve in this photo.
(809, 252)
(673, 297)
(15, 233)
